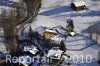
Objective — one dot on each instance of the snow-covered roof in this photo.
(79, 3)
(57, 38)
(72, 33)
(55, 52)
(33, 51)
(27, 48)
(59, 29)
(40, 29)
(52, 31)
(30, 47)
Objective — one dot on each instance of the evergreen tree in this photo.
(62, 46)
(69, 25)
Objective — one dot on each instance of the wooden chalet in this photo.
(47, 33)
(78, 6)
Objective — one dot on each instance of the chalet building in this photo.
(78, 6)
(47, 33)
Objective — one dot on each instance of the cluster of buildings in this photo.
(58, 32)
(54, 57)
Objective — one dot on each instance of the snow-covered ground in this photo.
(55, 13)
(7, 4)
(82, 20)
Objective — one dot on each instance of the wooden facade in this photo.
(49, 34)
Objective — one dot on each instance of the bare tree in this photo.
(17, 16)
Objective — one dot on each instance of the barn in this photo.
(78, 6)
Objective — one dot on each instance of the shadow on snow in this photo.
(7, 3)
(57, 10)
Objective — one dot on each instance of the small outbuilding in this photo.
(78, 6)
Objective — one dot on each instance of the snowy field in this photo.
(55, 13)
